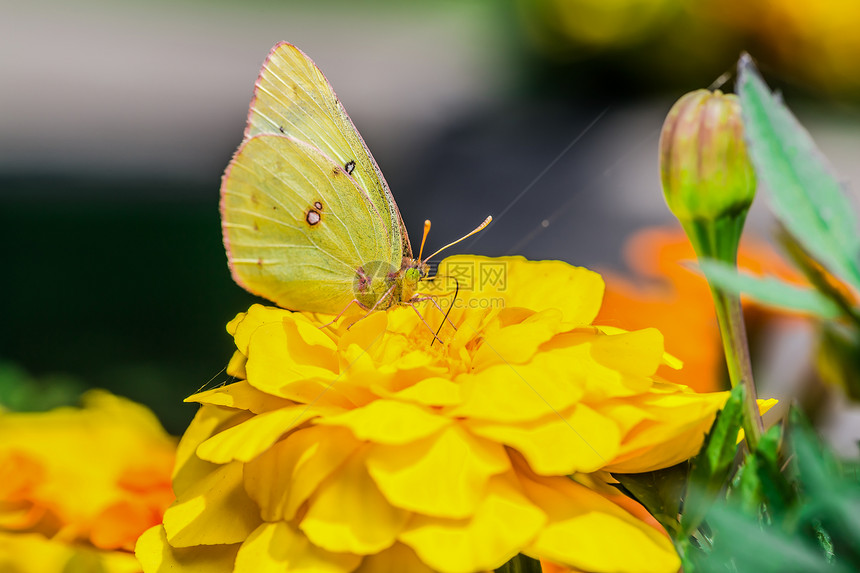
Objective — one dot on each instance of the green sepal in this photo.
(660, 492)
(521, 564)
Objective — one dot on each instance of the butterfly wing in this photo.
(296, 225)
(293, 97)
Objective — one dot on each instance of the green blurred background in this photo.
(118, 118)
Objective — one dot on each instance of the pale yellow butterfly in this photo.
(307, 217)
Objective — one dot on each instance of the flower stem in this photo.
(733, 332)
(719, 239)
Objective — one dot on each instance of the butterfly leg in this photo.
(436, 304)
(372, 308)
(435, 337)
(432, 298)
(340, 314)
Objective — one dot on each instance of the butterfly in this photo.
(307, 218)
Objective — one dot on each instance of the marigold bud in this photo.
(704, 167)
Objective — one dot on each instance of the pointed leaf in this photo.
(769, 291)
(805, 192)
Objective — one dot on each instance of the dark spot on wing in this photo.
(362, 280)
(259, 262)
(313, 217)
(318, 205)
(256, 226)
(349, 167)
(281, 129)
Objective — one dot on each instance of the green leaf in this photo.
(710, 469)
(832, 499)
(743, 542)
(21, 392)
(838, 358)
(768, 290)
(778, 493)
(746, 490)
(806, 195)
(660, 491)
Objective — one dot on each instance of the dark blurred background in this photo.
(118, 118)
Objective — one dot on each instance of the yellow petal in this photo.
(214, 511)
(246, 323)
(428, 392)
(594, 380)
(208, 420)
(367, 333)
(588, 532)
(515, 392)
(278, 356)
(578, 440)
(537, 285)
(240, 395)
(763, 406)
(286, 475)
(443, 475)
(673, 429)
(503, 523)
(34, 553)
(277, 547)
(517, 343)
(638, 353)
(157, 556)
(398, 558)
(388, 422)
(252, 437)
(348, 514)
(236, 366)
(671, 361)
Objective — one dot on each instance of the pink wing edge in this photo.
(226, 175)
(221, 207)
(406, 244)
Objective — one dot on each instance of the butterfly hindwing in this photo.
(293, 97)
(296, 225)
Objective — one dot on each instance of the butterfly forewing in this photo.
(289, 217)
(293, 97)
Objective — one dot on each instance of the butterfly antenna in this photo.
(424, 238)
(480, 227)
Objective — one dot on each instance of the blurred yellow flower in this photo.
(361, 446)
(79, 485)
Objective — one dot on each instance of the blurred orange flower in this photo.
(663, 293)
(79, 485)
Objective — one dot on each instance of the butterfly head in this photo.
(412, 271)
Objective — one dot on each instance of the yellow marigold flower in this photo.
(367, 448)
(79, 485)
